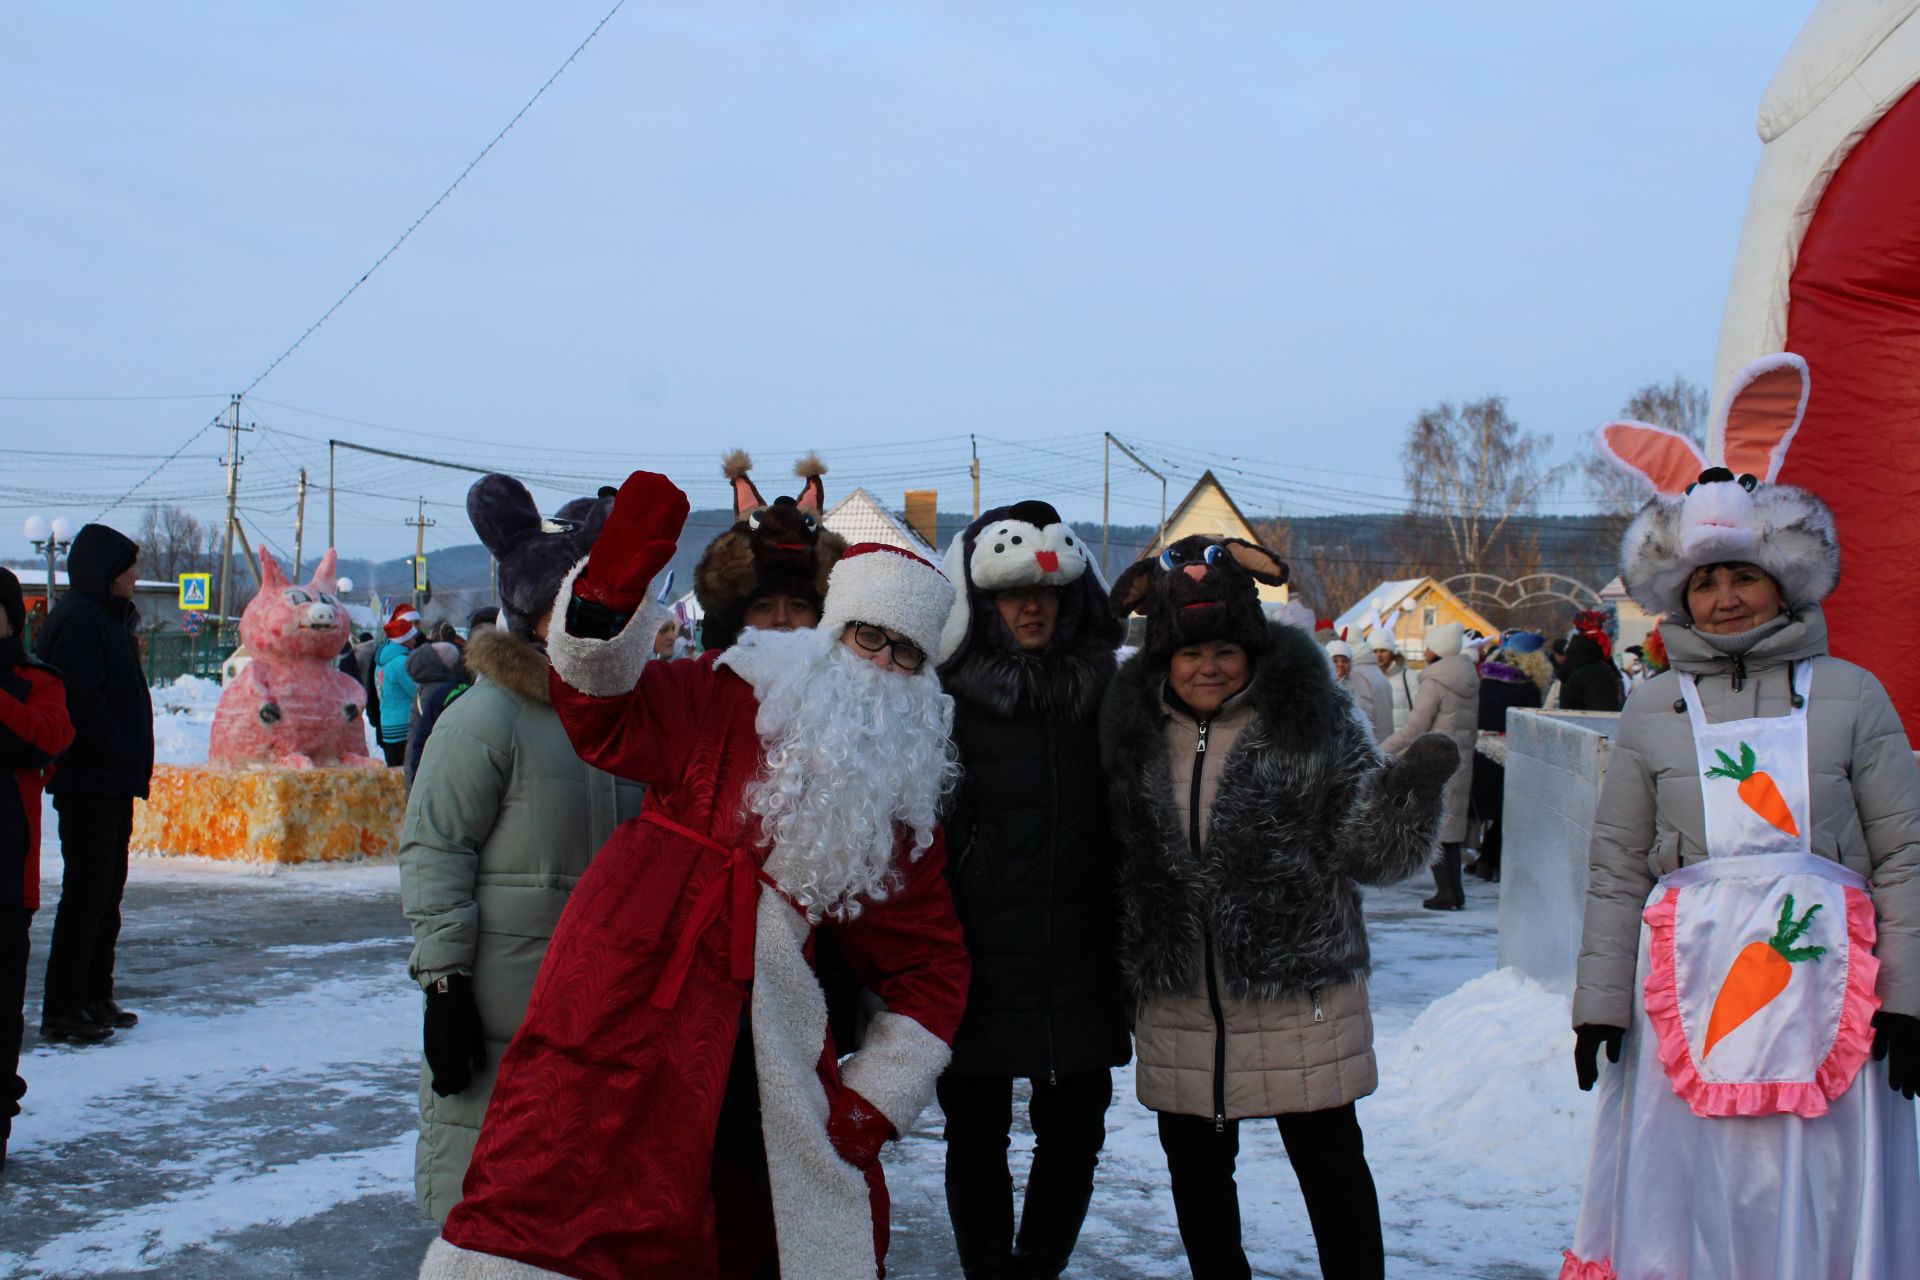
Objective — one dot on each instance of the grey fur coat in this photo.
(1262, 912)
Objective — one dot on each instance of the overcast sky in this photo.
(1259, 236)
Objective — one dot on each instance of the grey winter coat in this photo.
(1447, 701)
(1865, 796)
(502, 821)
(1243, 939)
(1372, 694)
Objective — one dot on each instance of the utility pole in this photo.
(1106, 494)
(330, 537)
(1106, 470)
(976, 474)
(299, 526)
(420, 525)
(233, 495)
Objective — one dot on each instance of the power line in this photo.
(211, 395)
(151, 474)
(438, 200)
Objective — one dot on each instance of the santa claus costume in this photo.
(673, 1104)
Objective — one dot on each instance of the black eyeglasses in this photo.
(907, 655)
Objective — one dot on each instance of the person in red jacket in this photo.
(673, 1104)
(34, 728)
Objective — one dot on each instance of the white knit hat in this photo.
(1446, 639)
(1381, 640)
(1339, 649)
(890, 587)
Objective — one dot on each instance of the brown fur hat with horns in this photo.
(772, 548)
(1200, 589)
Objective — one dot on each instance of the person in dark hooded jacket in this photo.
(1588, 681)
(439, 672)
(34, 728)
(90, 639)
(1027, 654)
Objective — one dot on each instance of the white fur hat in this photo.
(890, 587)
(1706, 512)
(1381, 640)
(1339, 649)
(1446, 639)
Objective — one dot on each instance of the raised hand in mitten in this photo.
(636, 544)
(1896, 1041)
(857, 1129)
(1422, 770)
(1587, 1040)
(456, 1046)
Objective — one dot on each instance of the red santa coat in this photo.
(595, 1158)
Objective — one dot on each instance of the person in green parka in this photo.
(501, 823)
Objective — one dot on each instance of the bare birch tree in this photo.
(172, 542)
(1470, 470)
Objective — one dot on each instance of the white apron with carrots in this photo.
(1746, 1133)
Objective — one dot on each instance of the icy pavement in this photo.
(259, 1121)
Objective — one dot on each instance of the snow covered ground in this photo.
(259, 1121)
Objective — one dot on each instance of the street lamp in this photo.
(49, 538)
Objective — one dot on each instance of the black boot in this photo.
(1049, 1228)
(1450, 894)
(109, 1014)
(75, 1026)
(982, 1218)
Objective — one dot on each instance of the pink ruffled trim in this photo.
(1805, 1099)
(1576, 1269)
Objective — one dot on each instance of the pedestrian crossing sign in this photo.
(196, 589)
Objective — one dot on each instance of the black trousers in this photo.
(14, 923)
(1329, 1158)
(94, 831)
(395, 752)
(1069, 1119)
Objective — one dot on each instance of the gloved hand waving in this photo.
(636, 544)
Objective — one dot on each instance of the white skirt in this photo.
(1673, 1196)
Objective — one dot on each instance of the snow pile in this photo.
(183, 720)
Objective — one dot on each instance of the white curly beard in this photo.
(851, 751)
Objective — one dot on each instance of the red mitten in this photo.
(636, 544)
(857, 1129)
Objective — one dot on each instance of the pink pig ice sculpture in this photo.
(290, 706)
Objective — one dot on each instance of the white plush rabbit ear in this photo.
(1762, 415)
(1665, 461)
(959, 621)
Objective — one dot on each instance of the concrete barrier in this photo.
(1556, 761)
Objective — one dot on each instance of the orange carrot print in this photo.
(1759, 790)
(1760, 973)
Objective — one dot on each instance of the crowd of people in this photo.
(699, 934)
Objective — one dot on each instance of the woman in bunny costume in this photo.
(1751, 952)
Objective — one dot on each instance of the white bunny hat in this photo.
(1725, 505)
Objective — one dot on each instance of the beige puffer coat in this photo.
(1446, 701)
(1865, 795)
(503, 819)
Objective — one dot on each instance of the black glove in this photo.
(1896, 1039)
(456, 1047)
(1586, 1050)
(1422, 770)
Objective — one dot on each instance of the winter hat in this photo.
(1024, 545)
(403, 624)
(12, 603)
(1200, 590)
(1339, 649)
(772, 548)
(1381, 640)
(1724, 506)
(1523, 642)
(534, 552)
(888, 587)
(1447, 639)
(100, 553)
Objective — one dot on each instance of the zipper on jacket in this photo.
(1053, 849)
(1319, 1010)
(1739, 672)
(1206, 937)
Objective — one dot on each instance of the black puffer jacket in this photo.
(1032, 862)
(89, 638)
(1588, 682)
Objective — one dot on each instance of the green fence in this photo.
(171, 654)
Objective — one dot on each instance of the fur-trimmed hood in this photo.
(519, 666)
(1011, 685)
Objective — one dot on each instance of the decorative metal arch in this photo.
(1518, 593)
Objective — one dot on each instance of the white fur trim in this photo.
(953, 633)
(602, 668)
(896, 1068)
(888, 589)
(446, 1261)
(1785, 530)
(821, 1210)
